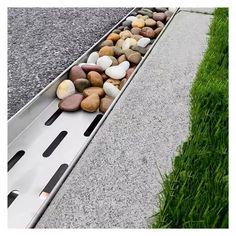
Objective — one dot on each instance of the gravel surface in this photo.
(116, 182)
(42, 42)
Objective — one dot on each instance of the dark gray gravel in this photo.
(42, 42)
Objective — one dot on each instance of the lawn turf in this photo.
(195, 193)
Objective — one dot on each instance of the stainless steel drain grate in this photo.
(44, 145)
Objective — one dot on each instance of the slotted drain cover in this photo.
(44, 145)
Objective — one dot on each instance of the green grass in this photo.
(195, 193)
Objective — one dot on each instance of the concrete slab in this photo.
(116, 182)
(198, 10)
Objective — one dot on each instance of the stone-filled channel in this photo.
(83, 94)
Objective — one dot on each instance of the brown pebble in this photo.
(98, 90)
(71, 103)
(106, 43)
(122, 83)
(95, 79)
(114, 61)
(106, 51)
(76, 72)
(105, 103)
(159, 16)
(122, 58)
(147, 32)
(157, 31)
(135, 30)
(88, 68)
(129, 72)
(132, 56)
(91, 103)
(114, 37)
(115, 82)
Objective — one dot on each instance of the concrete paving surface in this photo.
(117, 180)
(42, 42)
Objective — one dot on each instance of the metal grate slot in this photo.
(93, 125)
(53, 181)
(12, 197)
(53, 117)
(54, 144)
(15, 159)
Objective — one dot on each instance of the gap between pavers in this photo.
(117, 180)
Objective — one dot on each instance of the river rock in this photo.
(160, 24)
(137, 37)
(147, 32)
(129, 72)
(87, 68)
(126, 45)
(71, 103)
(150, 22)
(139, 23)
(110, 89)
(131, 18)
(104, 77)
(117, 51)
(106, 43)
(81, 84)
(159, 16)
(65, 89)
(127, 23)
(113, 36)
(93, 58)
(121, 27)
(139, 49)
(106, 51)
(105, 103)
(125, 65)
(147, 13)
(157, 31)
(127, 28)
(168, 13)
(122, 58)
(115, 72)
(91, 103)
(143, 42)
(104, 62)
(95, 79)
(125, 34)
(160, 9)
(144, 17)
(135, 30)
(114, 61)
(99, 91)
(116, 31)
(115, 82)
(122, 83)
(132, 56)
(119, 43)
(76, 72)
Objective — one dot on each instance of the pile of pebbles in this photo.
(95, 84)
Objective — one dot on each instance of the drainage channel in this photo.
(44, 143)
